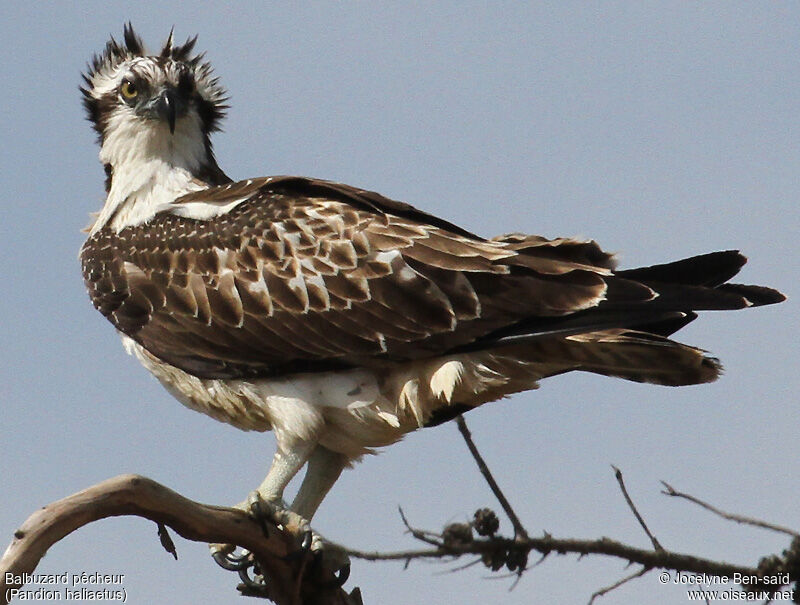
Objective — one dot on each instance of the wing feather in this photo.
(297, 274)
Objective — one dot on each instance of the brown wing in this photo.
(307, 275)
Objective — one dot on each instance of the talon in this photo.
(241, 562)
(308, 539)
(339, 578)
(231, 561)
(340, 574)
(276, 513)
(257, 581)
(260, 511)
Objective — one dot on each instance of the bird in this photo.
(335, 317)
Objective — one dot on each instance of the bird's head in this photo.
(160, 106)
(135, 98)
(124, 83)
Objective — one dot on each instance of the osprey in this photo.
(334, 316)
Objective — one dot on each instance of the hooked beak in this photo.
(166, 107)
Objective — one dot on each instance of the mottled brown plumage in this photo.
(332, 315)
(304, 275)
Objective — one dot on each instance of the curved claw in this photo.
(232, 562)
(306, 543)
(261, 512)
(340, 576)
(256, 581)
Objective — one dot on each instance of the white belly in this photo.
(349, 411)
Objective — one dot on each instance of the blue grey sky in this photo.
(660, 129)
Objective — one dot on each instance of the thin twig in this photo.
(621, 481)
(519, 531)
(617, 584)
(671, 491)
(420, 534)
(646, 557)
(462, 567)
(540, 561)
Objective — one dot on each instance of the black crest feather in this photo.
(132, 41)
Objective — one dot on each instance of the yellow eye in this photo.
(128, 90)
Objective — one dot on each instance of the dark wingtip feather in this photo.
(710, 270)
(668, 326)
(710, 369)
(757, 296)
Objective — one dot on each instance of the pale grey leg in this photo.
(267, 500)
(285, 465)
(324, 468)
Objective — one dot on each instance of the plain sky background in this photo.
(661, 129)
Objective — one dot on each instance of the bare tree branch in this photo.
(519, 530)
(663, 559)
(496, 551)
(291, 581)
(671, 491)
(621, 481)
(618, 583)
(137, 495)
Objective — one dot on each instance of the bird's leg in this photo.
(285, 465)
(324, 468)
(267, 500)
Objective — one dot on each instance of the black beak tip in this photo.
(168, 109)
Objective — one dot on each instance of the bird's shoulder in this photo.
(277, 196)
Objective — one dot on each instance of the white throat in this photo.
(151, 167)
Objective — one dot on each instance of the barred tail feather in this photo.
(627, 354)
(643, 357)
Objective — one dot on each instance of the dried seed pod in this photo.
(457, 534)
(486, 522)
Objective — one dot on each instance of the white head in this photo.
(154, 115)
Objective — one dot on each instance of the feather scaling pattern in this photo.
(299, 276)
(336, 317)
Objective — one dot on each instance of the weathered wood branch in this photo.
(289, 581)
(769, 576)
